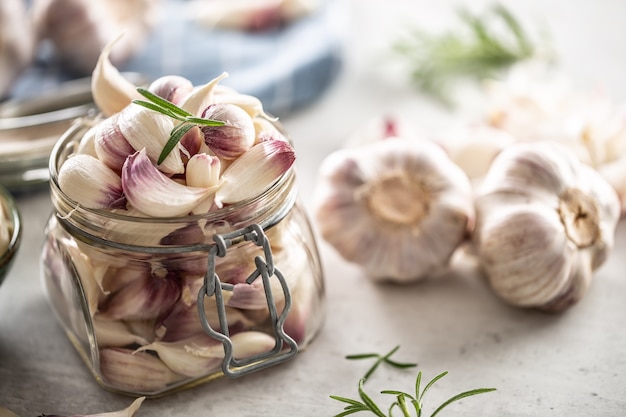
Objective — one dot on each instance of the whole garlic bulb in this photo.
(544, 223)
(397, 207)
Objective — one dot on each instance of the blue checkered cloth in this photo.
(286, 68)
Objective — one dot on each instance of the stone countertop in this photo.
(571, 364)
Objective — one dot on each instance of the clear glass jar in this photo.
(156, 305)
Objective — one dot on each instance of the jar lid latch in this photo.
(285, 347)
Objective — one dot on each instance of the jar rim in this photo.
(82, 125)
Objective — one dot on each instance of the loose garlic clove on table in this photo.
(397, 207)
(544, 223)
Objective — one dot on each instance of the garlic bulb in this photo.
(79, 29)
(16, 42)
(544, 223)
(534, 104)
(399, 208)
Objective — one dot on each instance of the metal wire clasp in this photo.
(265, 269)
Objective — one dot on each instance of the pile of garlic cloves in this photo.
(537, 219)
(144, 307)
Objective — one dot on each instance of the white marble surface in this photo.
(573, 364)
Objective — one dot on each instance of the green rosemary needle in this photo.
(188, 120)
(404, 401)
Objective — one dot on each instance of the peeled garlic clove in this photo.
(151, 192)
(544, 223)
(255, 171)
(90, 183)
(203, 171)
(201, 97)
(111, 91)
(172, 88)
(110, 145)
(149, 130)
(397, 207)
(135, 371)
(232, 139)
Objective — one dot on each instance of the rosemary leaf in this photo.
(161, 102)
(157, 108)
(204, 122)
(177, 134)
(461, 396)
(431, 383)
(371, 405)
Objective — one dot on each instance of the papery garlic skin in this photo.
(544, 223)
(397, 207)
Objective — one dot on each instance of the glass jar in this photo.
(155, 305)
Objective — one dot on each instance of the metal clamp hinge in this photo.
(285, 347)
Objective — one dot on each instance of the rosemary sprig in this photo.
(404, 401)
(478, 52)
(188, 120)
(386, 358)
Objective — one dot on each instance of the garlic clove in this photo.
(265, 130)
(201, 97)
(114, 333)
(90, 183)
(251, 104)
(203, 171)
(87, 144)
(150, 130)
(180, 360)
(151, 192)
(172, 88)
(110, 145)
(135, 371)
(245, 345)
(111, 91)
(232, 139)
(126, 412)
(146, 297)
(254, 171)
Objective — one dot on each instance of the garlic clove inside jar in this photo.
(544, 223)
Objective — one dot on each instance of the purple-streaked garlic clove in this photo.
(146, 129)
(254, 171)
(148, 297)
(153, 193)
(90, 183)
(110, 145)
(235, 137)
(172, 88)
(135, 371)
(192, 143)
